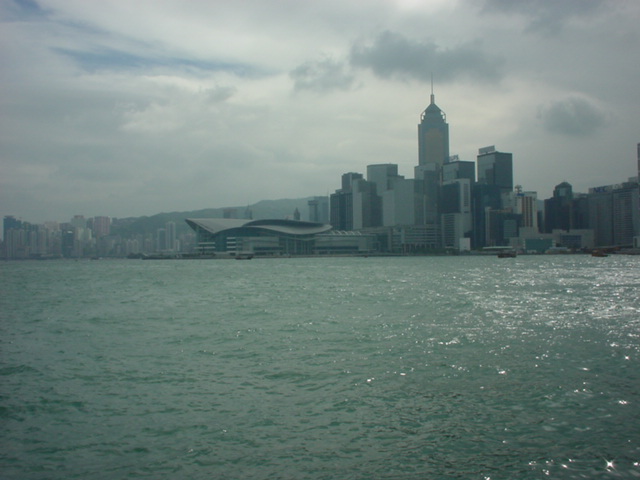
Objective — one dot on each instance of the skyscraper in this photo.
(433, 135)
(455, 212)
(383, 175)
(495, 168)
(101, 226)
(341, 203)
(367, 205)
(558, 209)
(170, 236)
(319, 209)
(457, 168)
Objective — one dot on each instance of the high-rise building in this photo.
(485, 198)
(161, 240)
(433, 135)
(319, 209)
(428, 187)
(341, 210)
(78, 221)
(101, 226)
(495, 168)
(348, 179)
(613, 213)
(558, 213)
(10, 223)
(400, 204)
(456, 169)
(367, 205)
(383, 175)
(170, 236)
(527, 207)
(341, 203)
(230, 213)
(455, 212)
(626, 218)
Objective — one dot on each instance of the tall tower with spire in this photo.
(433, 135)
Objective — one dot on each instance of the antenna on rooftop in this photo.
(432, 97)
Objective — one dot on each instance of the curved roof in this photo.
(287, 227)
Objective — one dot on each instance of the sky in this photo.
(122, 108)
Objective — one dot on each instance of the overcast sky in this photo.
(128, 108)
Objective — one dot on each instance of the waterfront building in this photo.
(319, 209)
(433, 135)
(170, 237)
(501, 227)
(495, 168)
(428, 182)
(11, 237)
(348, 179)
(484, 198)
(341, 213)
(614, 214)
(383, 176)
(580, 211)
(558, 210)
(161, 240)
(230, 213)
(341, 203)
(455, 213)
(524, 204)
(493, 221)
(457, 168)
(78, 221)
(223, 236)
(575, 239)
(367, 205)
(10, 223)
(401, 203)
(101, 226)
(68, 242)
(338, 242)
(626, 218)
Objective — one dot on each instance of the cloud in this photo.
(23, 9)
(543, 15)
(391, 55)
(573, 116)
(321, 76)
(177, 105)
(110, 59)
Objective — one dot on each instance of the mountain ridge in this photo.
(264, 209)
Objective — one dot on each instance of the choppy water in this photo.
(334, 368)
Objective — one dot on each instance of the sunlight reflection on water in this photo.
(322, 368)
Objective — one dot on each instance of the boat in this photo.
(507, 254)
(598, 253)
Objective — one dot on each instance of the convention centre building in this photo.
(233, 237)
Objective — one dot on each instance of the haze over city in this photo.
(128, 109)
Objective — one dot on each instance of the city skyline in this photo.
(123, 110)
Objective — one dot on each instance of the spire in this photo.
(432, 96)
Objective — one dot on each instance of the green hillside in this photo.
(265, 209)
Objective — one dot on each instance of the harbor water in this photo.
(321, 368)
